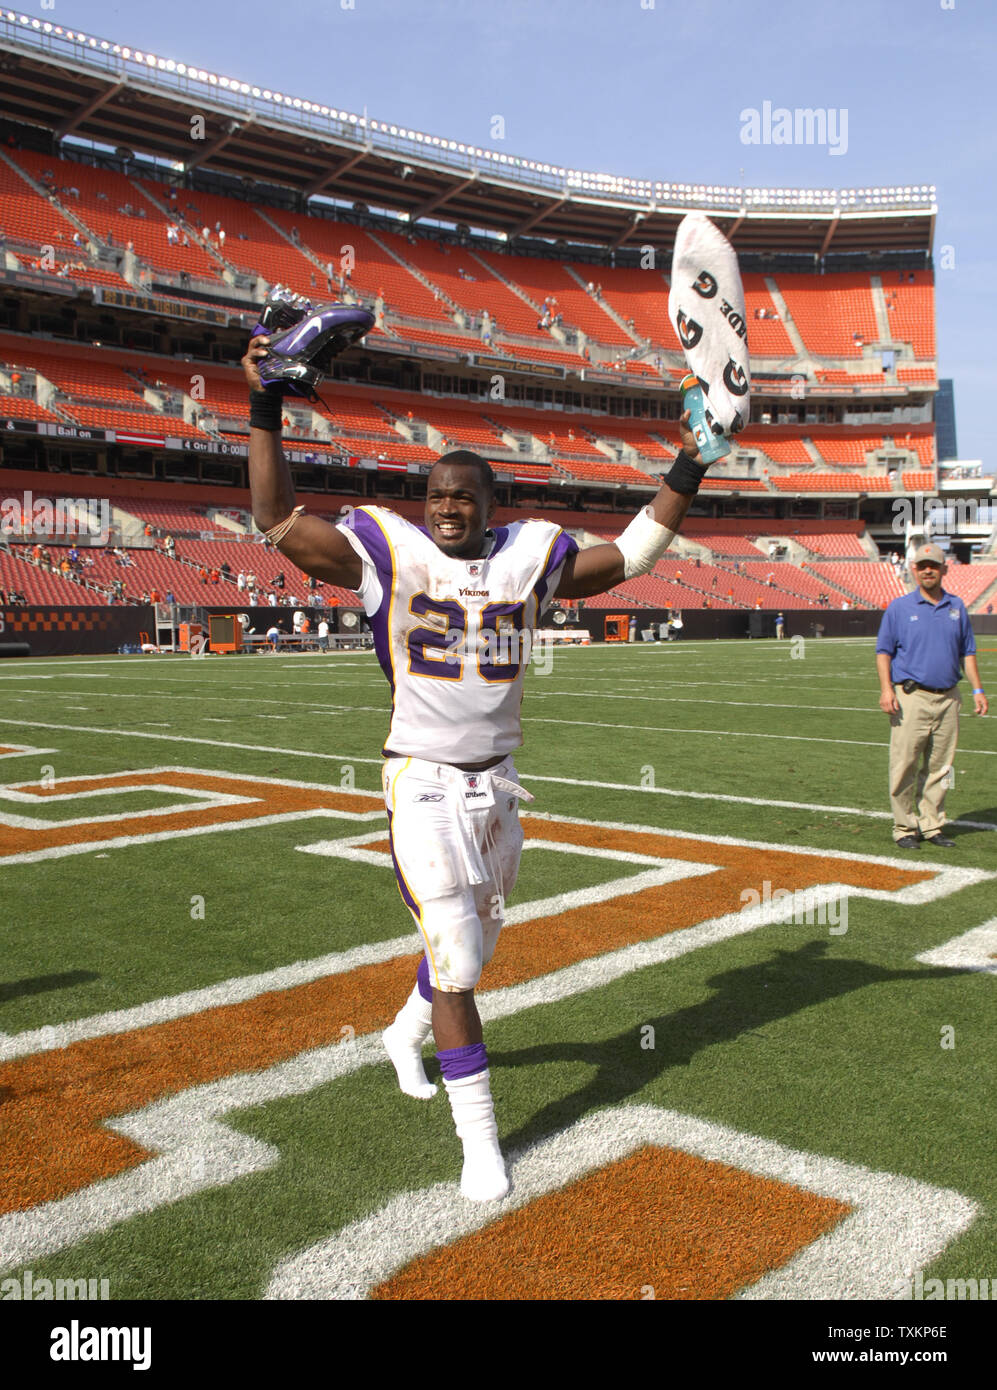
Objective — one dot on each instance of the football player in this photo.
(451, 605)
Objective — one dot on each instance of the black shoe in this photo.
(939, 841)
(908, 842)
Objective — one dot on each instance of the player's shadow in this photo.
(41, 984)
(746, 999)
(988, 816)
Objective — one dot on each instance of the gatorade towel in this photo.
(706, 307)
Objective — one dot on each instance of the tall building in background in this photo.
(945, 441)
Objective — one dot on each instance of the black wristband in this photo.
(685, 474)
(266, 410)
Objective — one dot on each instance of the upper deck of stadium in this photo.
(89, 88)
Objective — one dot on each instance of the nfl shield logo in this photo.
(474, 570)
(472, 781)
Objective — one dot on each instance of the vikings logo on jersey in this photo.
(452, 635)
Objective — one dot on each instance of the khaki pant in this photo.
(922, 749)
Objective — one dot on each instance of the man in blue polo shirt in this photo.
(924, 638)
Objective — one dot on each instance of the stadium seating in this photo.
(374, 272)
(38, 585)
(250, 243)
(910, 308)
(535, 353)
(167, 517)
(767, 337)
(607, 472)
(550, 280)
(638, 295)
(463, 342)
(833, 482)
(836, 377)
(824, 542)
(102, 205)
(734, 484)
(31, 220)
(970, 582)
(738, 547)
(24, 408)
(642, 440)
(840, 447)
(873, 582)
(780, 443)
(831, 312)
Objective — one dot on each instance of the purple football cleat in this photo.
(282, 310)
(298, 359)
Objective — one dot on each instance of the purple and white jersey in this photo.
(449, 633)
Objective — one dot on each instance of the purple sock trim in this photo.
(422, 980)
(458, 1062)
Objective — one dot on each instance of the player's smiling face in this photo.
(458, 510)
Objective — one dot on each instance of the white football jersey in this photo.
(449, 633)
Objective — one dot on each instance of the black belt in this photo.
(909, 687)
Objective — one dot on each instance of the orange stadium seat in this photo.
(767, 337)
(844, 448)
(103, 197)
(874, 582)
(910, 308)
(829, 310)
(641, 295)
(833, 482)
(606, 472)
(374, 269)
(23, 408)
(543, 279)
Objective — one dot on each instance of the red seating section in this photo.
(24, 408)
(874, 582)
(829, 309)
(767, 337)
(41, 586)
(918, 482)
(374, 270)
(910, 308)
(970, 581)
(840, 447)
(641, 295)
(824, 543)
(103, 196)
(833, 482)
(31, 220)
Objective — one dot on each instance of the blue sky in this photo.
(655, 89)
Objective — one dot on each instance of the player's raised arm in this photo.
(648, 536)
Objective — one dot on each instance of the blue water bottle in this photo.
(711, 446)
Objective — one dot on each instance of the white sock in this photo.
(484, 1178)
(403, 1042)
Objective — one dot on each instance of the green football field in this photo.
(711, 970)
